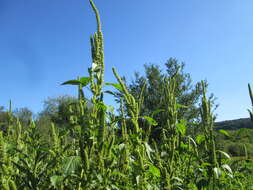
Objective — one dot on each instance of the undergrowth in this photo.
(102, 150)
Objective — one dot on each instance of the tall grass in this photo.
(102, 150)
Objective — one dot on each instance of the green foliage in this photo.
(187, 94)
(89, 147)
(234, 124)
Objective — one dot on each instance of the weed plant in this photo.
(105, 151)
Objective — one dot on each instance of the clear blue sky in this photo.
(46, 42)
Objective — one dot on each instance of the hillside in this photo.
(234, 124)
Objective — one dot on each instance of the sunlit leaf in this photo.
(192, 140)
(217, 172)
(200, 139)
(181, 127)
(148, 150)
(155, 171)
(178, 106)
(178, 179)
(224, 153)
(84, 81)
(227, 167)
(115, 85)
(224, 132)
(150, 120)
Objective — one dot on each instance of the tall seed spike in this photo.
(2, 148)
(10, 106)
(251, 98)
(97, 15)
(251, 94)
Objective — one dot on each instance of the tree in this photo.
(187, 93)
(57, 110)
(24, 115)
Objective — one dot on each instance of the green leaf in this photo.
(193, 142)
(217, 172)
(150, 120)
(183, 146)
(85, 81)
(56, 180)
(227, 167)
(178, 106)
(148, 150)
(154, 171)
(101, 106)
(115, 85)
(157, 111)
(177, 179)
(72, 82)
(181, 127)
(200, 139)
(110, 109)
(224, 132)
(224, 153)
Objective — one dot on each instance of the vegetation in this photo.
(87, 146)
(234, 124)
(188, 95)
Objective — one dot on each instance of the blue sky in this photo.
(46, 42)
